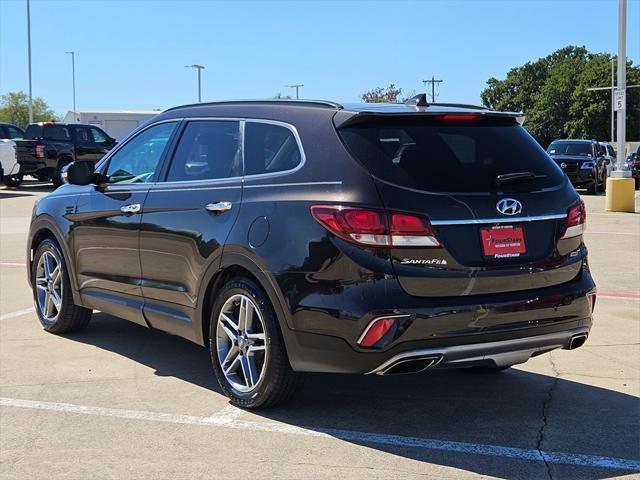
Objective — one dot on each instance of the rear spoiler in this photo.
(346, 118)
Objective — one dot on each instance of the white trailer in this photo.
(117, 123)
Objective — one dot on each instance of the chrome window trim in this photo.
(479, 221)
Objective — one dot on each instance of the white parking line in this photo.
(227, 415)
(17, 313)
(225, 421)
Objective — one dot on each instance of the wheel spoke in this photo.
(231, 354)
(249, 370)
(55, 298)
(256, 336)
(48, 304)
(41, 281)
(233, 336)
(46, 266)
(231, 323)
(257, 348)
(55, 275)
(231, 366)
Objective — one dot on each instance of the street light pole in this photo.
(613, 100)
(297, 87)
(29, 61)
(73, 76)
(622, 81)
(199, 68)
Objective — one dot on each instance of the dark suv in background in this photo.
(309, 236)
(584, 161)
(48, 147)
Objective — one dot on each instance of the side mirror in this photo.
(78, 173)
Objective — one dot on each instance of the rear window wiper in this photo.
(516, 177)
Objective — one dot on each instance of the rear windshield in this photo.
(58, 133)
(445, 157)
(570, 148)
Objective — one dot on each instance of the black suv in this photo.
(584, 161)
(308, 236)
(48, 147)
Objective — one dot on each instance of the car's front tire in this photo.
(247, 349)
(52, 291)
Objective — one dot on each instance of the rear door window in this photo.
(269, 148)
(207, 150)
(56, 133)
(428, 155)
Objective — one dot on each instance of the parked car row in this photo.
(585, 162)
(45, 148)
(633, 164)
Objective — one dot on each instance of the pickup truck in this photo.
(49, 146)
(9, 168)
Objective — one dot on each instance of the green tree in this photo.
(14, 108)
(390, 94)
(553, 93)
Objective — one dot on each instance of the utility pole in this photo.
(29, 61)
(73, 76)
(297, 86)
(613, 100)
(199, 68)
(433, 82)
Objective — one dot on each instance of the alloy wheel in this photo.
(49, 286)
(241, 343)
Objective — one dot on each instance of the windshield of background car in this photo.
(428, 155)
(570, 148)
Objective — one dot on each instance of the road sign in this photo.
(620, 100)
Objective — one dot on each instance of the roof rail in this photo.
(321, 103)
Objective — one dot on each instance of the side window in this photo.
(15, 133)
(98, 135)
(82, 135)
(208, 149)
(269, 148)
(56, 133)
(137, 160)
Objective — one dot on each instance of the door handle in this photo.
(131, 208)
(219, 207)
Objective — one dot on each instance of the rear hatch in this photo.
(496, 232)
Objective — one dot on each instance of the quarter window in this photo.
(269, 148)
(138, 159)
(98, 135)
(207, 150)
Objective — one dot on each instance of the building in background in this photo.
(117, 123)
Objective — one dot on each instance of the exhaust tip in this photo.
(577, 341)
(411, 365)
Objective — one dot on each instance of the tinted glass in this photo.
(570, 148)
(33, 132)
(445, 157)
(82, 135)
(207, 150)
(269, 148)
(15, 133)
(137, 160)
(56, 132)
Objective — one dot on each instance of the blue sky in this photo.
(131, 55)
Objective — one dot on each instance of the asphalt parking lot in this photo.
(120, 401)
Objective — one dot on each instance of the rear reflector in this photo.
(375, 331)
(576, 220)
(592, 300)
(376, 227)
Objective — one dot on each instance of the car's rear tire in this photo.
(247, 349)
(52, 291)
(57, 176)
(12, 181)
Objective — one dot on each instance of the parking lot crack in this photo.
(545, 410)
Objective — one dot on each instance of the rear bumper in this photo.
(494, 330)
(28, 167)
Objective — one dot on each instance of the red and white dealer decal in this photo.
(503, 241)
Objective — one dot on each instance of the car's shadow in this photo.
(26, 188)
(510, 409)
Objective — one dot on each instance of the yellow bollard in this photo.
(620, 195)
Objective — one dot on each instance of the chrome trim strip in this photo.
(374, 320)
(477, 221)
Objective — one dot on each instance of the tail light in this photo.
(576, 220)
(592, 300)
(375, 331)
(375, 227)
(40, 151)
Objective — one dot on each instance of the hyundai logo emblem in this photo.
(563, 165)
(509, 206)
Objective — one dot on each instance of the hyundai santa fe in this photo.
(309, 236)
